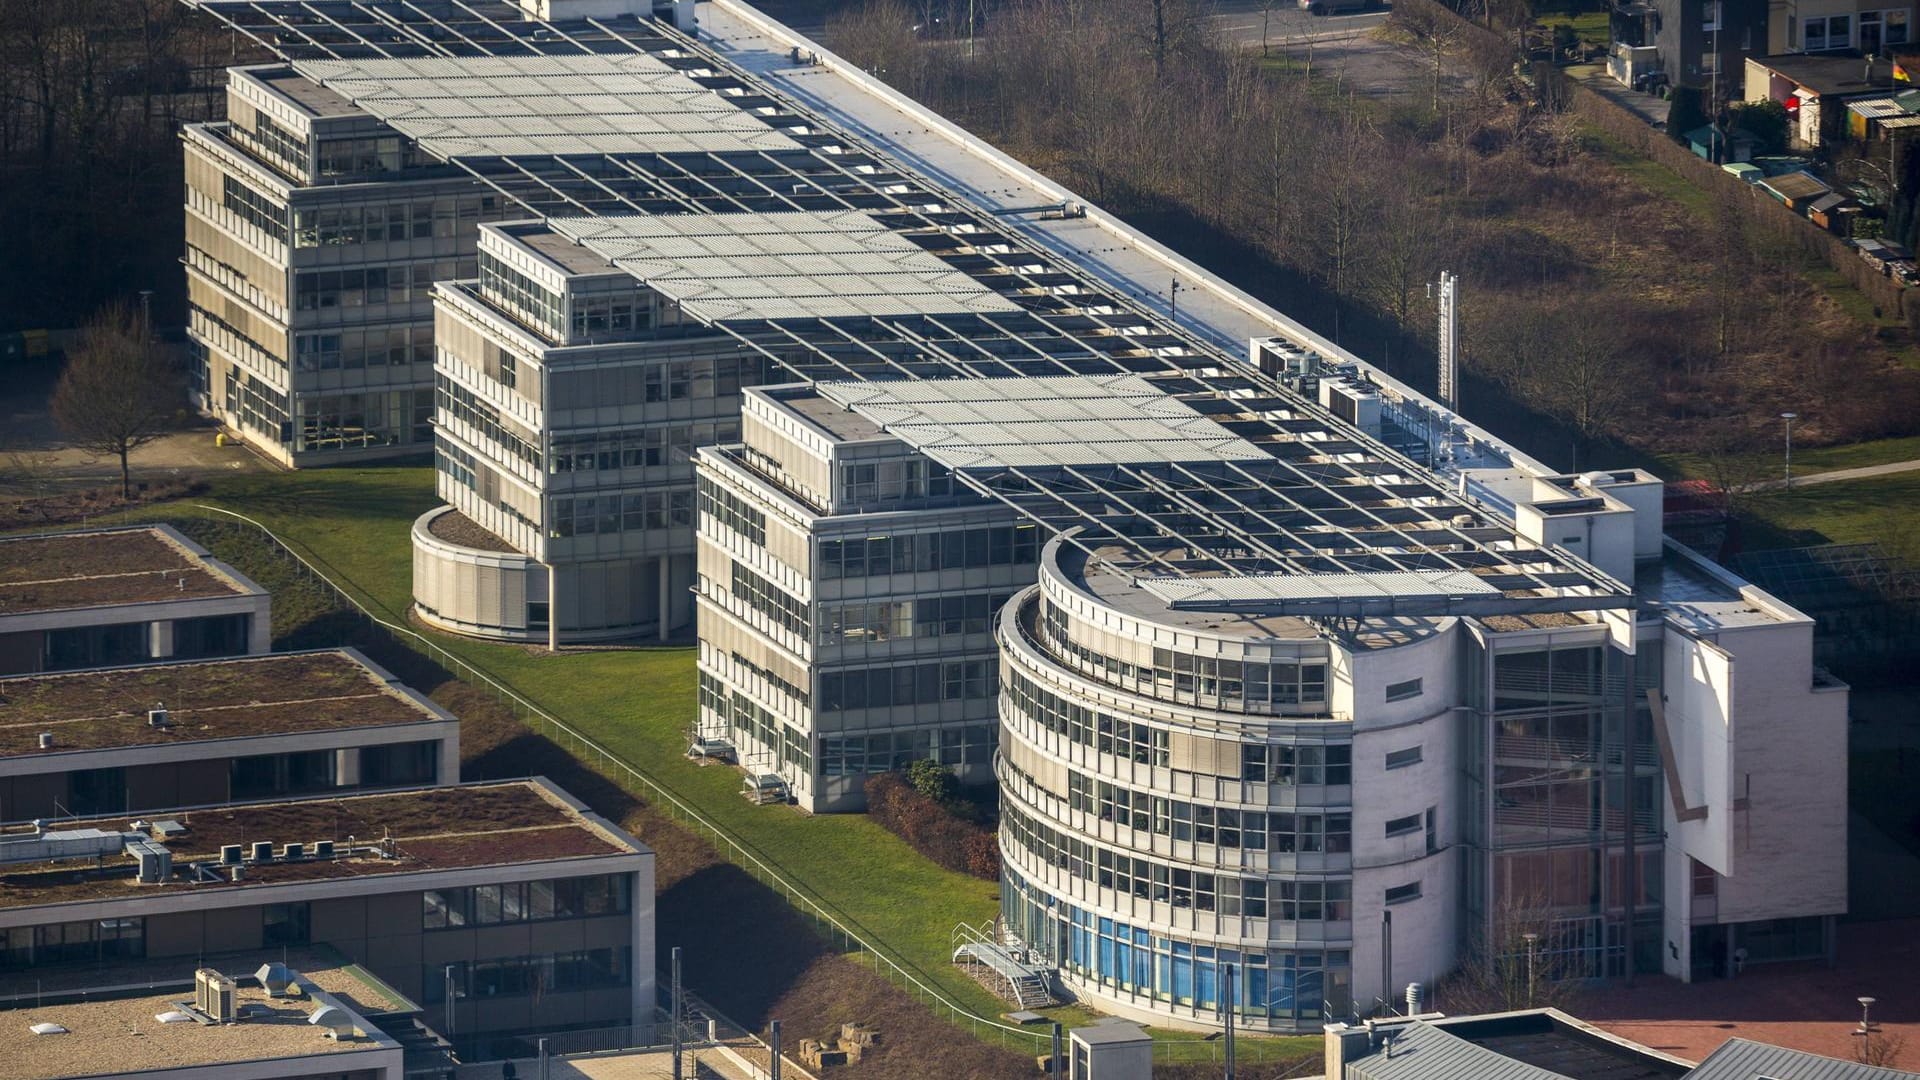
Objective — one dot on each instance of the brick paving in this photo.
(1806, 1006)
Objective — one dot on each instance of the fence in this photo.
(1756, 209)
(832, 927)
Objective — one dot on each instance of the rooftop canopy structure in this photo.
(837, 264)
(1243, 509)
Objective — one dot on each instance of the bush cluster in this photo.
(934, 830)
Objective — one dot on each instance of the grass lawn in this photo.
(1882, 508)
(1591, 26)
(354, 525)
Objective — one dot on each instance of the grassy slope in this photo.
(354, 523)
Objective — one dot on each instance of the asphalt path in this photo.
(1246, 23)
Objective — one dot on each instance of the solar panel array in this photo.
(732, 268)
(509, 106)
(1321, 498)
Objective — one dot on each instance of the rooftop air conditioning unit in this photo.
(1353, 402)
(157, 717)
(263, 851)
(213, 996)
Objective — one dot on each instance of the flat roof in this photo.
(390, 834)
(1838, 73)
(924, 282)
(1058, 420)
(119, 1034)
(276, 694)
(109, 568)
(794, 264)
(315, 100)
(585, 103)
(322, 965)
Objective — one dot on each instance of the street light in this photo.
(1865, 1031)
(1789, 417)
(1531, 939)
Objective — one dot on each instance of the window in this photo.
(1401, 691)
(1710, 15)
(1705, 881)
(1401, 826)
(1400, 759)
(1832, 32)
(286, 924)
(1400, 894)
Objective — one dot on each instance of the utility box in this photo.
(1119, 1051)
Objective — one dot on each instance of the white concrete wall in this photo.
(1789, 763)
(1700, 722)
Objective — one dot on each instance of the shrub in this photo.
(931, 828)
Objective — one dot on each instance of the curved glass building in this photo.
(1188, 794)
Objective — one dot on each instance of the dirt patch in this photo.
(457, 528)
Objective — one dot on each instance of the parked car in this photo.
(1334, 7)
(1653, 82)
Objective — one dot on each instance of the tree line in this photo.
(92, 95)
(1657, 322)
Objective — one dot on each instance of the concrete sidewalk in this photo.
(1835, 476)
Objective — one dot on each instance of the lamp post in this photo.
(1865, 1031)
(1531, 939)
(1789, 417)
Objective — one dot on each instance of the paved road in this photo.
(1594, 77)
(1247, 23)
(1837, 475)
(1241, 21)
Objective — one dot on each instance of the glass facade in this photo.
(1173, 845)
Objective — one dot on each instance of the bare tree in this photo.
(118, 392)
(878, 37)
(1734, 458)
(1435, 31)
(1513, 963)
(1880, 1049)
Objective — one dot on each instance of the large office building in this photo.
(130, 739)
(1319, 688)
(500, 908)
(314, 236)
(848, 585)
(122, 596)
(571, 398)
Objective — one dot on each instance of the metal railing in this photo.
(834, 927)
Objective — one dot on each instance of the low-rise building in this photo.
(122, 596)
(1547, 1044)
(501, 908)
(122, 740)
(277, 1023)
(847, 593)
